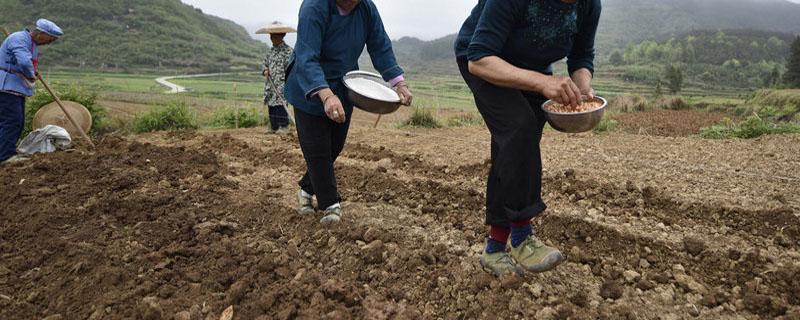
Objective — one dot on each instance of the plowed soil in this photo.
(668, 123)
(185, 225)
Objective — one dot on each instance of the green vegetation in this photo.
(85, 96)
(606, 125)
(172, 116)
(122, 35)
(786, 102)
(465, 119)
(792, 75)
(739, 58)
(422, 117)
(758, 124)
(249, 117)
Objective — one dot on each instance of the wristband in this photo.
(326, 99)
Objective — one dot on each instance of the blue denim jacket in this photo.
(329, 45)
(15, 55)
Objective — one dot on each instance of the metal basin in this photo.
(575, 122)
(363, 100)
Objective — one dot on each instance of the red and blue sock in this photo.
(520, 230)
(498, 237)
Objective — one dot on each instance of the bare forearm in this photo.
(501, 73)
(582, 78)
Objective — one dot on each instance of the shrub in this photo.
(627, 103)
(606, 125)
(85, 96)
(173, 116)
(422, 117)
(670, 103)
(758, 124)
(465, 119)
(225, 117)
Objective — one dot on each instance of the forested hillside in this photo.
(136, 34)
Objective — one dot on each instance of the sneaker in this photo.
(533, 255)
(270, 131)
(283, 130)
(500, 263)
(332, 216)
(305, 205)
(16, 159)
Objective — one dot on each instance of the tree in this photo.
(616, 58)
(792, 75)
(675, 78)
(772, 78)
(657, 92)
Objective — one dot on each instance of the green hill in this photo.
(136, 34)
(625, 21)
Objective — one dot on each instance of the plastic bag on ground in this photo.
(45, 140)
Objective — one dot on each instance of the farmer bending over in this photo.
(504, 52)
(18, 70)
(330, 37)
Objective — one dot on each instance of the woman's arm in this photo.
(497, 71)
(380, 51)
(580, 61)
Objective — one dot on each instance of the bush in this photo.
(173, 116)
(606, 125)
(465, 119)
(627, 103)
(85, 96)
(758, 124)
(225, 117)
(422, 117)
(669, 103)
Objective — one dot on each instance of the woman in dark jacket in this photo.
(331, 36)
(504, 52)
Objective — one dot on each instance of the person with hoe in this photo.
(331, 36)
(504, 51)
(19, 65)
(274, 70)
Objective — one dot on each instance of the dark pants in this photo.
(278, 118)
(515, 120)
(12, 121)
(321, 140)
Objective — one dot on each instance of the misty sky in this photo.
(424, 19)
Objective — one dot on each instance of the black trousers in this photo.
(321, 140)
(515, 120)
(278, 118)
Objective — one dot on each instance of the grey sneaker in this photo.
(283, 130)
(305, 205)
(16, 159)
(270, 131)
(500, 263)
(533, 255)
(332, 216)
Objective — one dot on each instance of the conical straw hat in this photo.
(276, 27)
(52, 114)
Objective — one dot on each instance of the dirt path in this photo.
(194, 222)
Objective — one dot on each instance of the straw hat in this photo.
(276, 27)
(52, 114)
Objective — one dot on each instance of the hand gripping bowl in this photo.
(370, 93)
(576, 122)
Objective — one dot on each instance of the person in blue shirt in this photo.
(19, 62)
(331, 36)
(504, 51)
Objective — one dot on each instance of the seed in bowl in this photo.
(583, 107)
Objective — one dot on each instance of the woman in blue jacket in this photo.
(504, 52)
(331, 36)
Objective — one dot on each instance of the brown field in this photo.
(186, 224)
